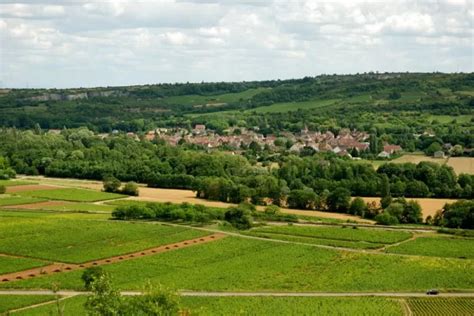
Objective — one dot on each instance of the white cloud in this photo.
(116, 42)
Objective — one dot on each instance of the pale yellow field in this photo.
(459, 164)
(428, 206)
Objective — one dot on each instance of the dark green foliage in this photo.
(456, 215)
(240, 217)
(111, 184)
(358, 207)
(339, 200)
(130, 188)
(90, 275)
(302, 199)
(3, 189)
(386, 219)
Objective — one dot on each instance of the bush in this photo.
(358, 207)
(130, 188)
(111, 184)
(239, 217)
(90, 275)
(3, 189)
(339, 200)
(457, 215)
(386, 219)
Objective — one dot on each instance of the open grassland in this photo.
(7, 200)
(437, 247)
(291, 306)
(239, 264)
(417, 158)
(82, 240)
(10, 302)
(293, 106)
(332, 236)
(194, 99)
(13, 264)
(445, 306)
(429, 206)
(72, 194)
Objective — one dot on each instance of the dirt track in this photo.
(58, 267)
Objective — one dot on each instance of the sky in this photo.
(80, 43)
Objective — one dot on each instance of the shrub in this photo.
(358, 207)
(130, 188)
(386, 219)
(239, 217)
(111, 184)
(3, 189)
(90, 275)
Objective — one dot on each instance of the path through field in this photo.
(58, 267)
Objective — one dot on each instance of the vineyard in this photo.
(441, 306)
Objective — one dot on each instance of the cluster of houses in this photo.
(345, 143)
(342, 145)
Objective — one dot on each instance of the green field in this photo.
(237, 264)
(80, 240)
(10, 302)
(12, 264)
(6, 200)
(291, 306)
(445, 306)
(210, 99)
(72, 194)
(340, 233)
(445, 119)
(437, 247)
(249, 305)
(293, 106)
(11, 183)
(77, 207)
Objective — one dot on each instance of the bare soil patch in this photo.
(29, 187)
(59, 267)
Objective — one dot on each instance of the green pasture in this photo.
(8, 200)
(14, 264)
(11, 302)
(14, 182)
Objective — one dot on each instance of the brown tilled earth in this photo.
(58, 267)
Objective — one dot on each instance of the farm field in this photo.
(10, 302)
(459, 164)
(13, 264)
(80, 240)
(445, 306)
(292, 306)
(429, 206)
(247, 305)
(6, 200)
(61, 206)
(11, 183)
(72, 194)
(275, 267)
(180, 196)
(437, 247)
(333, 236)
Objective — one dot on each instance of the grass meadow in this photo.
(10, 302)
(13, 264)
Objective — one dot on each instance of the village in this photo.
(346, 143)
